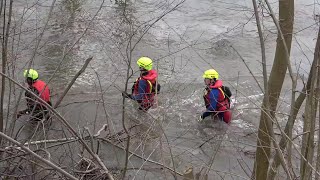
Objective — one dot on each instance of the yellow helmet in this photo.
(211, 74)
(33, 74)
(145, 62)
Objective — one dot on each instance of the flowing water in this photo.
(197, 35)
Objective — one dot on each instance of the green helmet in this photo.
(211, 74)
(145, 62)
(31, 73)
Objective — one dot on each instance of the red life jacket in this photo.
(148, 96)
(222, 101)
(43, 90)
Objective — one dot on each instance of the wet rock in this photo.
(222, 48)
(188, 174)
(222, 44)
(251, 154)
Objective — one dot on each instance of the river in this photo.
(197, 35)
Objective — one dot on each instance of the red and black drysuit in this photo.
(216, 102)
(34, 107)
(143, 90)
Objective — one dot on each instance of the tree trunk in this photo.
(277, 75)
(288, 129)
(307, 149)
(5, 35)
(318, 153)
(318, 94)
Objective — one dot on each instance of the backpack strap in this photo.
(150, 84)
(224, 96)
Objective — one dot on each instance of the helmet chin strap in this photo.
(30, 81)
(143, 73)
(213, 81)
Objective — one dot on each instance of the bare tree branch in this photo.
(38, 157)
(72, 81)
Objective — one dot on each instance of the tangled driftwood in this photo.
(87, 169)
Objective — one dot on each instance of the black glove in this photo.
(126, 95)
(20, 113)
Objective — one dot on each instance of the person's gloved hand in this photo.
(20, 113)
(126, 95)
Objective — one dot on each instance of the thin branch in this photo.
(72, 81)
(248, 69)
(49, 163)
(145, 159)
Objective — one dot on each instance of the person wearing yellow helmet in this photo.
(146, 86)
(216, 97)
(35, 108)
